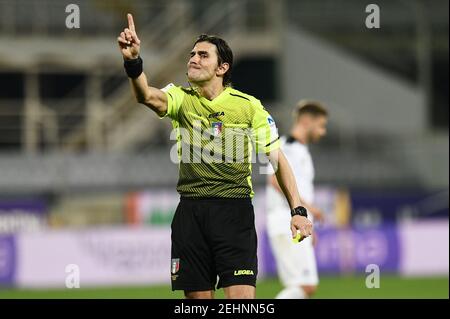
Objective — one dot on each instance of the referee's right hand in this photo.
(128, 41)
(301, 224)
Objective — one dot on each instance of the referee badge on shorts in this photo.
(175, 266)
(217, 128)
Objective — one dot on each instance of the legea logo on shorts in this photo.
(243, 272)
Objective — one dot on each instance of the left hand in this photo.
(301, 224)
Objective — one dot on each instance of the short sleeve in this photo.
(175, 96)
(283, 146)
(264, 130)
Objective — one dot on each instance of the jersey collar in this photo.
(218, 98)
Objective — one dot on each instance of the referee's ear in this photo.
(223, 68)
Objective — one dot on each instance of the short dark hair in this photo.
(224, 53)
(310, 107)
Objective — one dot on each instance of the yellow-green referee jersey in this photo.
(214, 140)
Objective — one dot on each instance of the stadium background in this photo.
(85, 174)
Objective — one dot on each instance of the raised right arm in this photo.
(129, 45)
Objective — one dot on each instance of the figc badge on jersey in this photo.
(217, 128)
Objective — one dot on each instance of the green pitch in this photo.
(330, 287)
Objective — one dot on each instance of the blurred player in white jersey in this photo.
(296, 262)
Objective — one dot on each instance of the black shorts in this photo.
(210, 238)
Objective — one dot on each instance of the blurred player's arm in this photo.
(317, 213)
(288, 186)
(129, 45)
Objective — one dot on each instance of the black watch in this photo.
(299, 210)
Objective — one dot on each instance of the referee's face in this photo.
(203, 63)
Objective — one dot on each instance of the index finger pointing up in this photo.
(130, 22)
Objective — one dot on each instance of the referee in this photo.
(213, 229)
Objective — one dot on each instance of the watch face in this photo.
(300, 210)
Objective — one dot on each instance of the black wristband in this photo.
(299, 210)
(133, 67)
